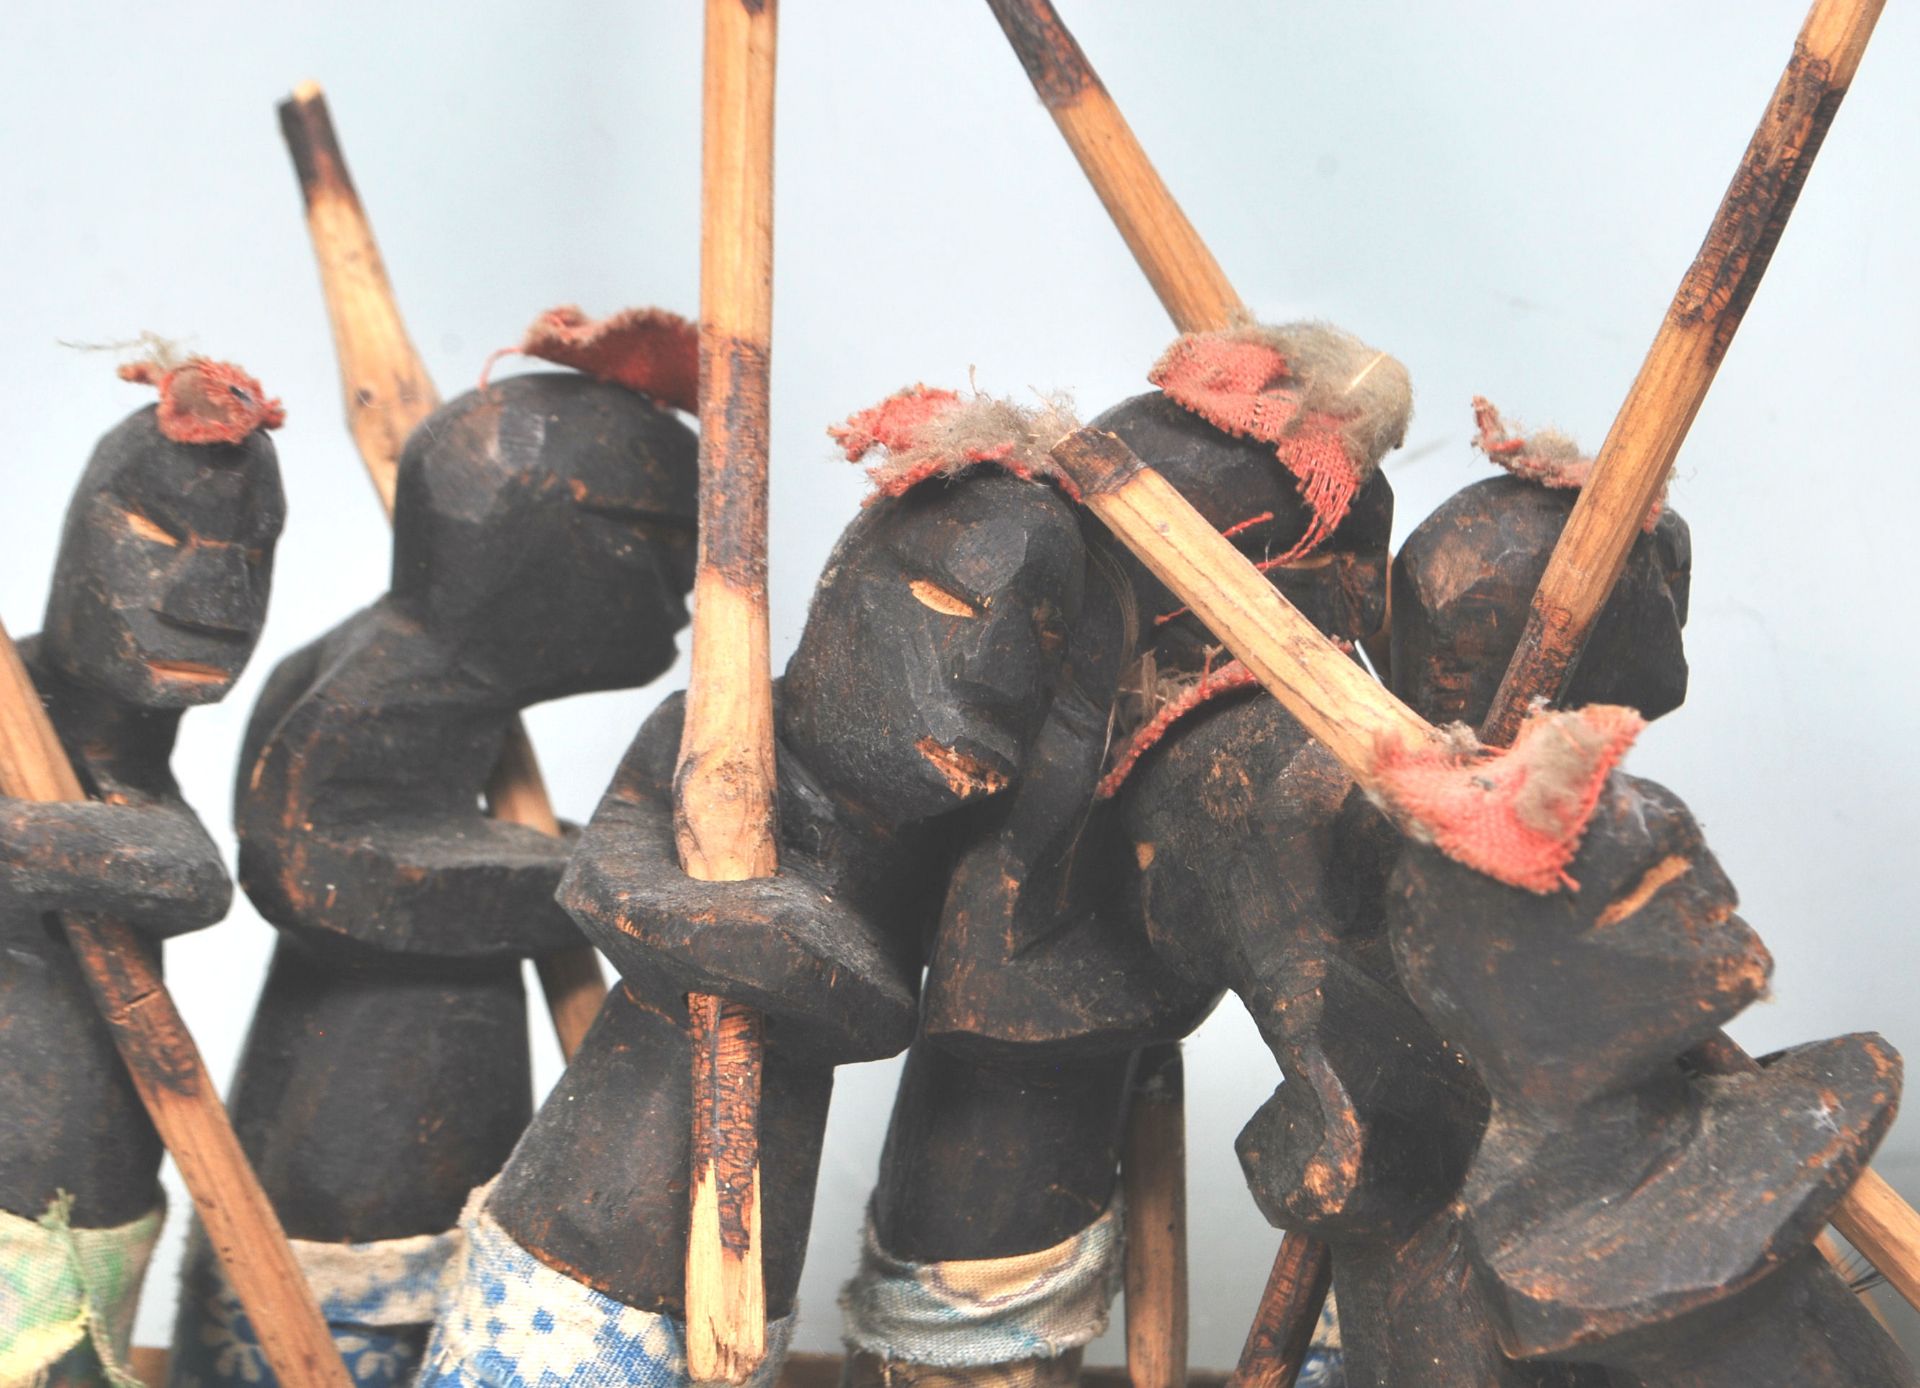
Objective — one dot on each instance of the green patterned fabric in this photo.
(61, 1286)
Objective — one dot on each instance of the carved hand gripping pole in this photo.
(725, 799)
(387, 394)
(172, 1079)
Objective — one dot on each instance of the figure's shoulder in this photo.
(1243, 764)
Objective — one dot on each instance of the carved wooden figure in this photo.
(1042, 986)
(543, 546)
(932, 652)
(159, 593)
(1436, 1297)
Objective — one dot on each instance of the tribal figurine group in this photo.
(1034, 825)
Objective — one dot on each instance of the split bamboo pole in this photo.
(725, 815)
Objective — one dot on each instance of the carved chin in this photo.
(968, 777)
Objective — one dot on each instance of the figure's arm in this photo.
(334, 844)
(420, 883)
(147, 861)
(792, 945)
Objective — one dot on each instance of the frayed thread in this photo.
(649, 350)
(1518, 815)
(1545, 456)
(1331, 406)
(205, 401)
(925, 432)
(1167, 700)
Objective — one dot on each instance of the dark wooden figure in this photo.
(1042, 986)
(930, 655)
(543, 546)
(159, 594)
(1260, 870)
(1620, 1210)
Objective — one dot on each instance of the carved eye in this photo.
(940, 600)
(147, 528)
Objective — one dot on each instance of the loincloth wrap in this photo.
(510, 1320)
(65, 1289)
(378, 1300)
(1325, 1365)
(975, 1312)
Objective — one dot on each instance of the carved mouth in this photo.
(966, 776)
(188, 671)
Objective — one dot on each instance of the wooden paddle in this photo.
(725, 811)
(165, 1064)
(388, 393)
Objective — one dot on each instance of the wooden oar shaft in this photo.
(1334, 698)
(1282, 1332)
(1637, 457)
(725, 804)
(1177, 262)
(385, 384)
(1153, 1163)
(388, 393)
(172, 1080)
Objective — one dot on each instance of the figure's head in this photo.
(1464, 579)
(544, 528)
(1596, 985)
(934, 642)
(160, 589)
(1340, 584)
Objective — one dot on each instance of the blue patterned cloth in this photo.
(1322, 1368)
(975, 1312)
(379, 1300)
(513, 1322)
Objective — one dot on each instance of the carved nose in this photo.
(215, 588)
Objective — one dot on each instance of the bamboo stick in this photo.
(726, 802)
(1196, 294)
(1153, 1158)
(167, 1070)
(1635, 461)
(1350, 713)
(1176, 261)
(1637, 457)
(1282, 1331)
(388, 393)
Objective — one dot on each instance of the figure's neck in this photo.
(97, 729)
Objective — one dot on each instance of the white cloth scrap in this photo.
(965, 1313)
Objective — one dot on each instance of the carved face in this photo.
(1340, 586)
(1594, 986)
(934, 640)
(1462, 584)
(161, 585)
(545, 530)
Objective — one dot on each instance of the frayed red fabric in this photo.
(1551, 459)
(648, 350)
(1516, 815)
(1247, 388)
(927, 432)
(895, 424)
(205, 401)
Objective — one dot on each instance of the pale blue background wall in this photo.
(1504, 194)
